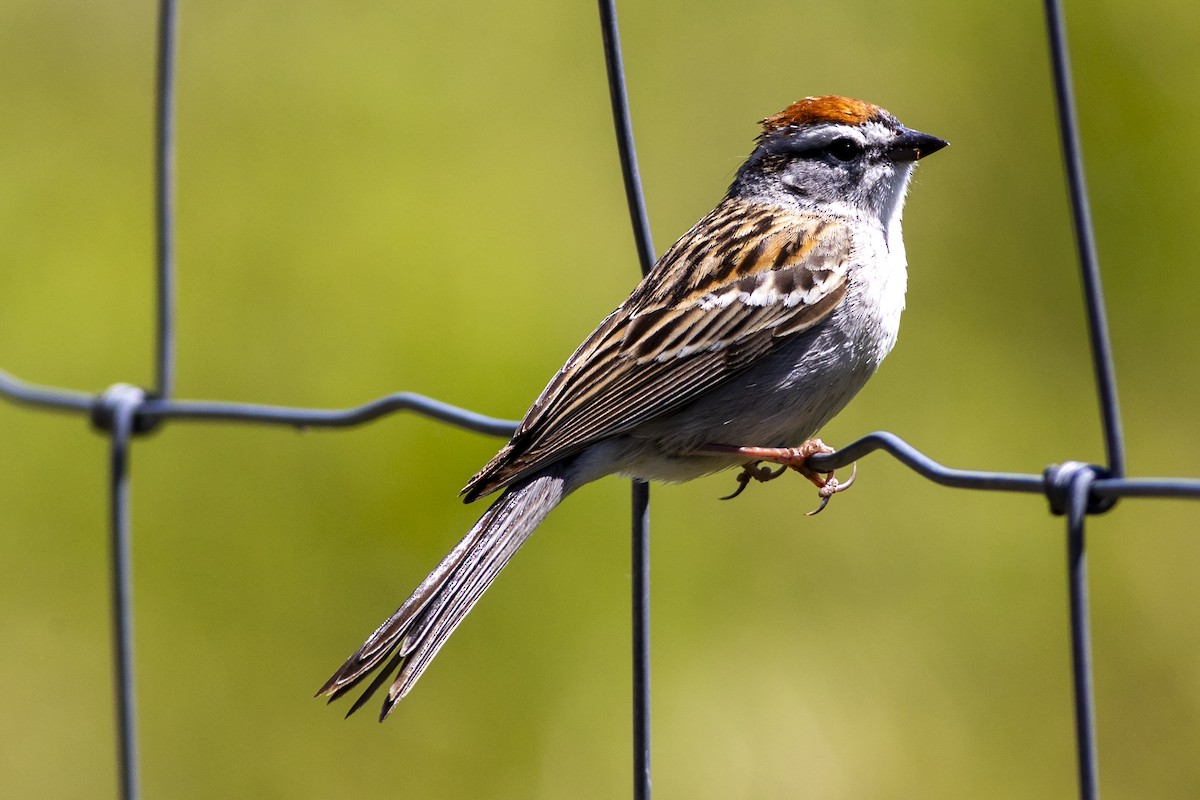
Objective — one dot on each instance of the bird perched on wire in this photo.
(747, 336)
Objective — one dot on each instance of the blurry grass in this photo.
(376, 198)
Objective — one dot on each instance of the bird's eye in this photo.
(844, 149)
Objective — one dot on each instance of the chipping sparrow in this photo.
(750, 333)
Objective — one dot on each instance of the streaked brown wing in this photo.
(754, 278)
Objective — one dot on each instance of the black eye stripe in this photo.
(843, 149)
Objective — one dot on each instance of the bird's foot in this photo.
(787, 458)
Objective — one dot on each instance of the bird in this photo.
(750, 333)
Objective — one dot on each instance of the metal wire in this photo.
(923, 465)
(164, 199)
(123, 402)
(641, 639)
(1085, 240)
(640, 534)
(126, 400)
(1081, 634)
(1165, 488)
(329, 418)
(1073, 489)
(42, 397)
(1106, 389)
(624, 126)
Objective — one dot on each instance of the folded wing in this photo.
(755, 279)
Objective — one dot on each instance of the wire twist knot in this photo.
(1061, 480)
(122, 398)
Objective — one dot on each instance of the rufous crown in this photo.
(830, 108)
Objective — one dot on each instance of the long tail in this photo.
(413, 635)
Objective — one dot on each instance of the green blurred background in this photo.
(381, 196)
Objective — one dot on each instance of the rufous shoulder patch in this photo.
(830, 108)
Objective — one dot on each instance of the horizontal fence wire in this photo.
(150, 410)
(53, 399)
(1074, 490)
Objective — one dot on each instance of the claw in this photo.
(831, 487)
(820, 508)
(752, 471)
(743, 480)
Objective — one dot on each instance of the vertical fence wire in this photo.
(1085, 240)
(1106, 389)
(122, 407)
(164, 199)
(640, 534)
(122, 403)
(620, 109)
(1081, 638)
(641, 639)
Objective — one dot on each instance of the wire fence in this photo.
(1075, 490)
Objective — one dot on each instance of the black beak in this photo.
(910, 145)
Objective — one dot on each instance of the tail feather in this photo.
(410, 638)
